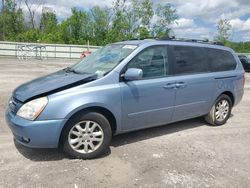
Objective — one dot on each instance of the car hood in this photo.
(50, 84)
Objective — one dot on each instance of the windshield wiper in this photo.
(69, 69)
(121, 60)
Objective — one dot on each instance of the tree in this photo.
(11, 20)
(146, 13)
(48, 23)
(120, 24)
(223, 30)
(32, 6)
(2, 5)
(32, 35)
(166, 16)
(100, 24)
(76, 29)
(140, 14)
(64, 30)
(127, 19)
(131, 19)
(144, 33)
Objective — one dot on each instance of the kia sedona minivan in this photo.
(123, 87)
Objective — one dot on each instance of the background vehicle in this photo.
(123, 87)
(245, 62)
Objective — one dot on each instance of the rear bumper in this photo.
(35, 134)
(238, 96)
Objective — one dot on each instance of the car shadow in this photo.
(119, 140)
(38, 154)
(148, 133)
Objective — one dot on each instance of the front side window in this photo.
(153, 61)
(103, 60)
(189, 59)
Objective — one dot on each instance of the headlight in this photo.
(32, 109)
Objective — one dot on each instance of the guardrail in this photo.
(23, 50)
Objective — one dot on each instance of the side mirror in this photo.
(133, 74)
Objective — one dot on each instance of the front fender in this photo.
(63, 105)
(89, 105)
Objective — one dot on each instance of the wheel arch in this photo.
(104, 111)
(231, 95)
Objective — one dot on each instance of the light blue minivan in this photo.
(124, 87)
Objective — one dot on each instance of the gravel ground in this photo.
(184, 154)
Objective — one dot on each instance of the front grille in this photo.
(14, 105)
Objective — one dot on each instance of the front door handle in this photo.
(180, 85)
(169, 86)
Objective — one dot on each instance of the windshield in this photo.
(103, 60)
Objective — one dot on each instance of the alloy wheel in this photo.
(86, 137)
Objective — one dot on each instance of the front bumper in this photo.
(35, 134)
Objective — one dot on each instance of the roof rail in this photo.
(192, 40)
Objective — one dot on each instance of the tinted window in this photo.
(153, 61)
(220, 60)
(189, 60)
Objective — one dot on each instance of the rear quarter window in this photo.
(220, 60)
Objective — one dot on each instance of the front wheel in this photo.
(87, 136)
(220, 112)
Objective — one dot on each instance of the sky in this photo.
(197, 18)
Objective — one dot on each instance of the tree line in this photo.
(224, 29)
(98, 25)
(124, 20)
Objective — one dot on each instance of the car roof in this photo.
(174, 42)
(131, 42)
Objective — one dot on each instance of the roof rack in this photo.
(192, 40)
(147, 38)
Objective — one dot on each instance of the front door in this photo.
(149, 102)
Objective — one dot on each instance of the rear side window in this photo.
(220, 60)
(189, 59)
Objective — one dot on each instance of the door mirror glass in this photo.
(133, 74)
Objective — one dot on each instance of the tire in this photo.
(81, 142)
(212, 116)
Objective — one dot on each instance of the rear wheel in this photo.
(220, 112)
(87, 136)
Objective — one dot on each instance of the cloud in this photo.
(211, 10)
(246, 36)
(240, 28)
(240, 25)
(194, 32)
(196, 18)
(62, 12)
(63, 7)
(187, 28)
(81, 3)
(183, 23)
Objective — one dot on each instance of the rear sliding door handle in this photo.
(180, 85)
(169, 86)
